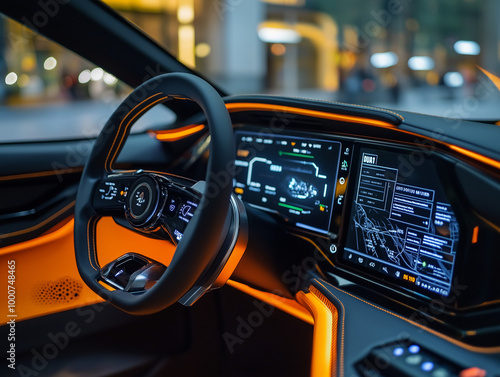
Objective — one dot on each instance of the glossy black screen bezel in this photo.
(441, 163)
(337, 209)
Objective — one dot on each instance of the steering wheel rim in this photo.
(201, 239)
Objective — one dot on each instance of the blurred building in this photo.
(361, 50)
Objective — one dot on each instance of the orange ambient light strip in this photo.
(244, 106)
(476, 156)
(178, 133)
(41, 174)
(238, 107)
(449, 339)
(475, 234)
(324, 355)
(289, 306)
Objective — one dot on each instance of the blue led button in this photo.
(398, 351)
(427, 366)
(414, 348)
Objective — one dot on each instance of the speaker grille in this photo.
(64, 290)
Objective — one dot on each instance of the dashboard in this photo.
(393, 230)
(400, 212)
(384, 214)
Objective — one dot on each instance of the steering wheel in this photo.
(203, 219)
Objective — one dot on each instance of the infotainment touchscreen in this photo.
(289, 175)
(401, 223)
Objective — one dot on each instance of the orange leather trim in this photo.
(51, 257)
(289, 306)
(325, 360)
(178, 133)
(238, 107)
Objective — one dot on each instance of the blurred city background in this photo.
(425, 56)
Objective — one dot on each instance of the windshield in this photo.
(425, 56)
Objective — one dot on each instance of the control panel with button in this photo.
(408, 359)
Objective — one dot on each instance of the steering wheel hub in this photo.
(144, 204)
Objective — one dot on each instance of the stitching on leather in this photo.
(119, 128)
(147, 107)
(434, 332)
(352, 104)
(89, 244)
(94, 242)
(319, 114)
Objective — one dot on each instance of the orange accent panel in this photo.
(324, 357)
(477, 156)
(178, 133)
(49, 259)
(43, 261)
(114, 240)
(237, 107)
(289, 306)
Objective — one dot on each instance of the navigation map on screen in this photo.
(401, 223)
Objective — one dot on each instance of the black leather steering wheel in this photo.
(157, 202)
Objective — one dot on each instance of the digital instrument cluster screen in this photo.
(402, 225)
(290, 175)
